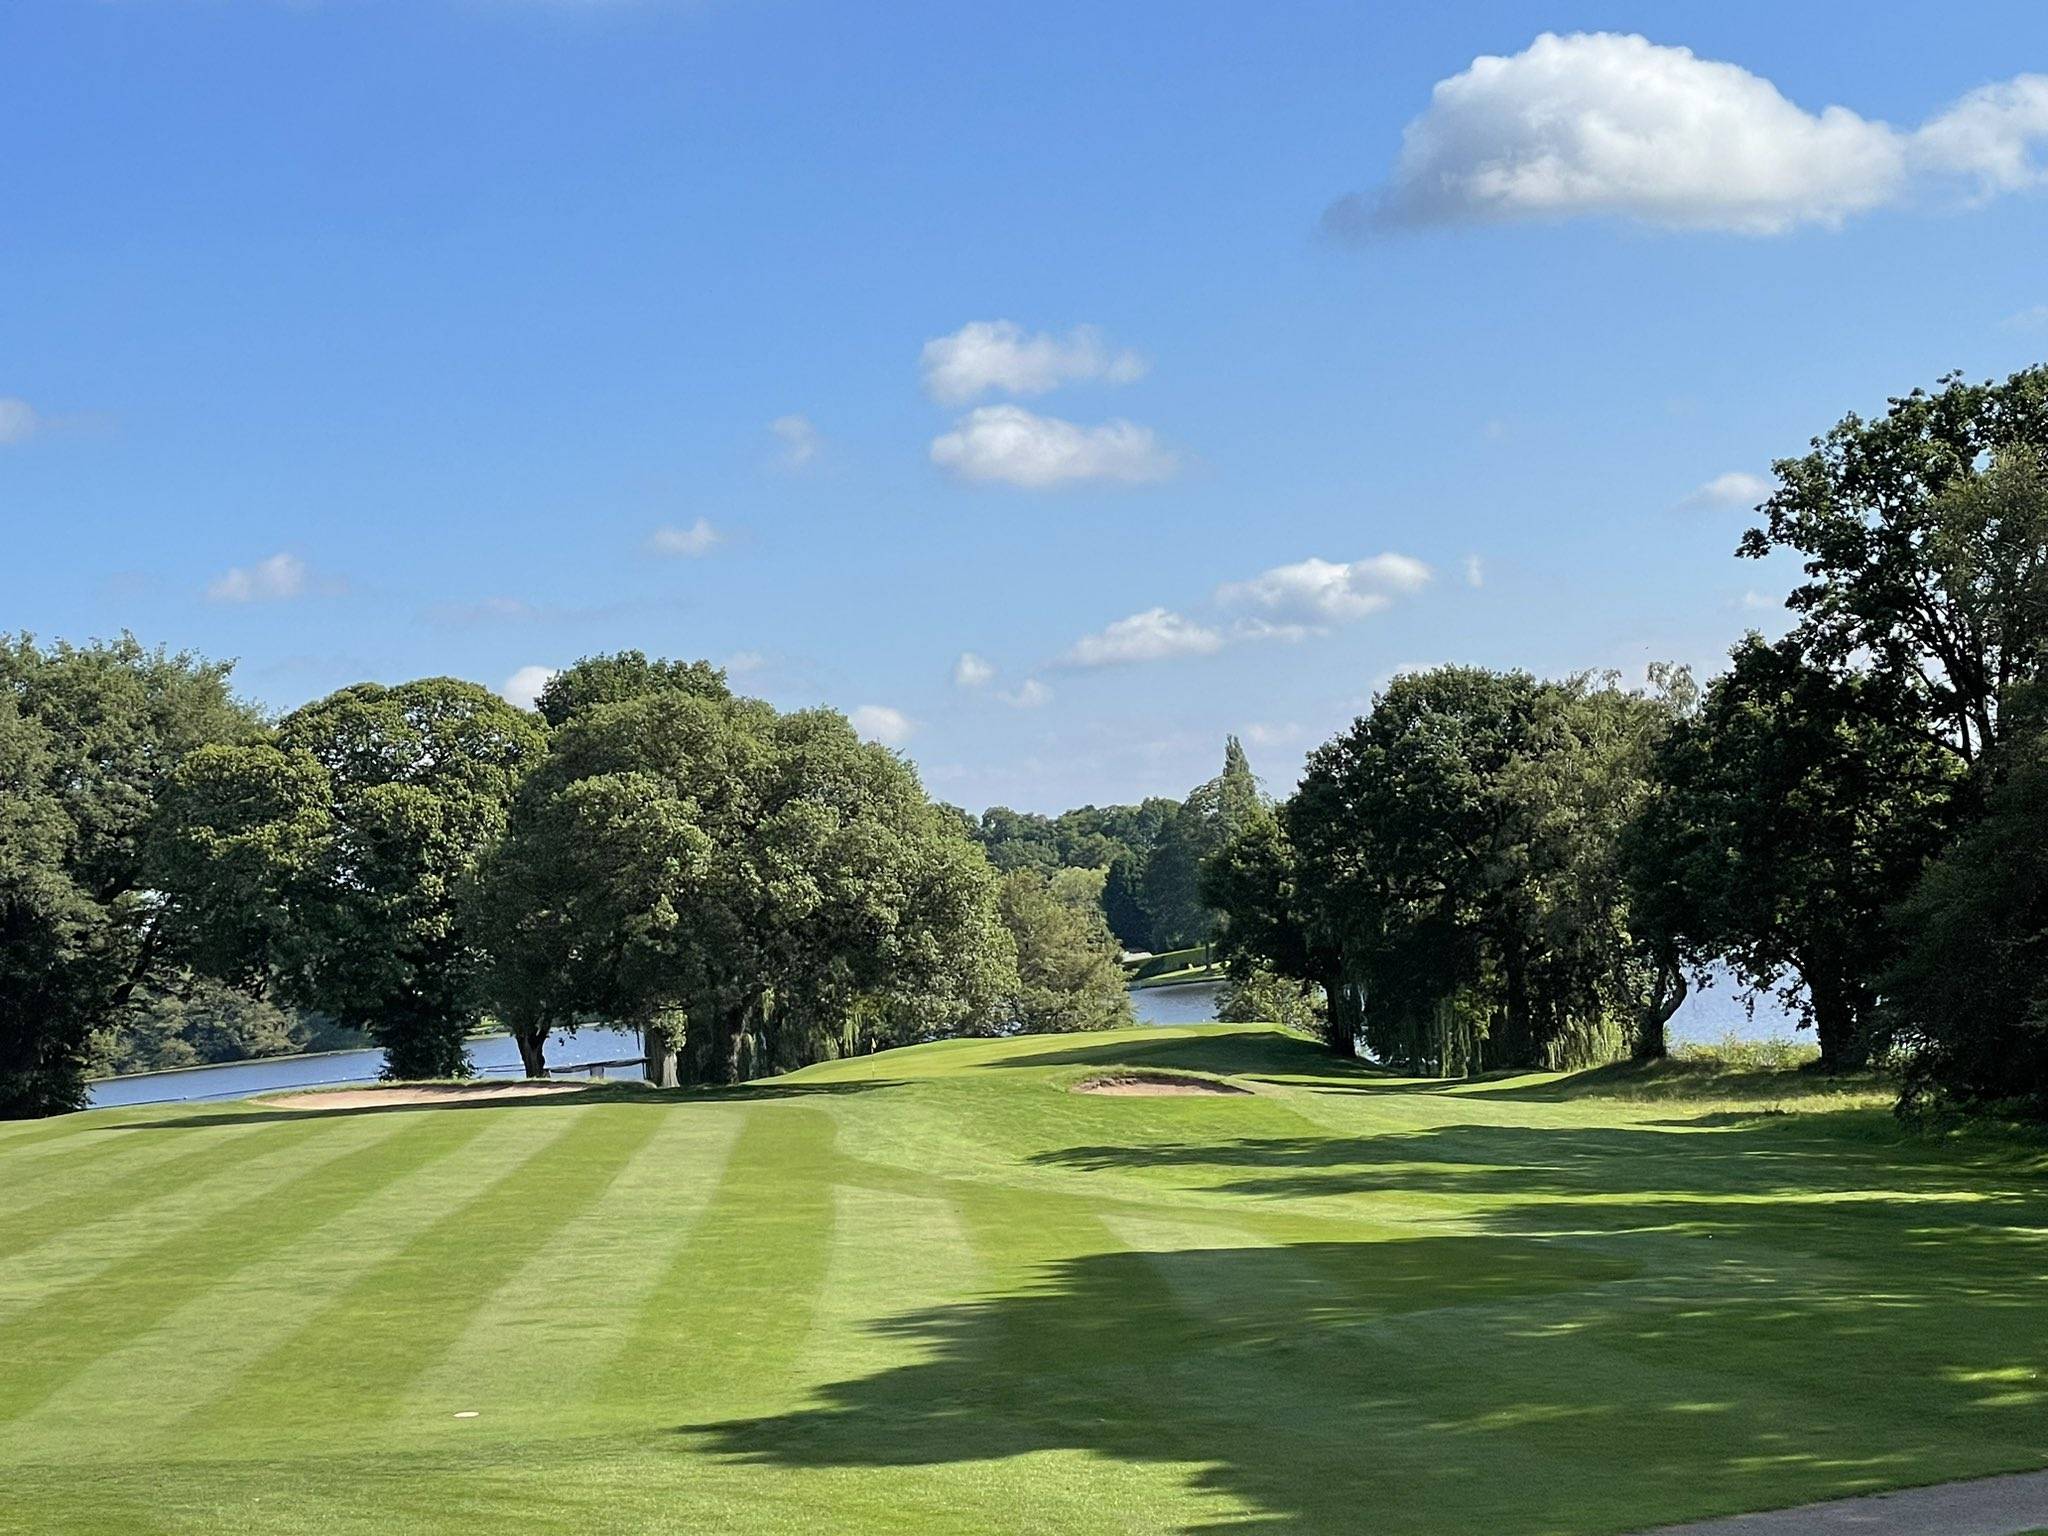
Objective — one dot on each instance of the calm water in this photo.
(494, 1055)
(1708, 1016)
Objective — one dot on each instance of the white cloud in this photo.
(1754, 599)
(1313, 594)
(1602, 123)
(1000, 355)
(1736, 488)
(523, 687)
(1475, 571)
(799, 438)
(740, 663)
(878, 722)
(1029, 694)
(2029, 318)
(275, 579)
(972, 671)
(1019, 447)
(19, 421)
(700, 538)
(1157, 634)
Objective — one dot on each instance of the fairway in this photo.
(934, 1290)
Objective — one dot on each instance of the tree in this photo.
(1792, 813)
(615, 677)
(88, 737)
(751, 890)
(1209, 818)
(342, 848)
(1925, 537)
(1069, 969)
(1966, 1001)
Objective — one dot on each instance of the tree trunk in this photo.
(658, 1045)
(1672, 987)
(1838, 1022)
(1517, 1046)
(532, 1041)
(1341, 1002)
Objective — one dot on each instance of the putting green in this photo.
(934, 1291)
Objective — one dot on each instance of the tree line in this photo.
(749, 889)
(1488, 870)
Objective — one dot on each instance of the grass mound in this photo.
(930, 1291)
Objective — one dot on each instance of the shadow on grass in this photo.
(637, 1095)
(1572, 1364)
(1237, 1053)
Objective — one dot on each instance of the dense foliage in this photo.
(752, 890)
(89, 738)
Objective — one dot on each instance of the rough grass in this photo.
(933, 1291)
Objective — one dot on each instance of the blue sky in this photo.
(1121, 346)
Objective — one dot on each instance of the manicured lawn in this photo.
(933, 1291)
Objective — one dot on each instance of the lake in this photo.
(1708, 1016)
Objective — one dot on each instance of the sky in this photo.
(1054, 390)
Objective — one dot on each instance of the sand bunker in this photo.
(1150, 1085)
(424, 1093)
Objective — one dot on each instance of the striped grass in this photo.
(933, 1290)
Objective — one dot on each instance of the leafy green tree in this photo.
(1069, 969)
(203, 1022)
(1922, 533)
(751, 890)
(88, 737)
(1966, 1001)
(1209, 818)
(1263, 996)
(343, 848)
(620, 675)
(1793, 812)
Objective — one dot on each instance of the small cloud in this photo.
(1157, 634)
(999, 355)
(1475, 571)
(972, 671)
(2031, 318)
(19, 421)
(1029, 694)
(1494, 430)
(700, 538)
(1734, 489)
(276, 579)
(880, 723)
(799, 438)
(1753, 600)
(523, 687)
(741, 663)
(1009, 444)
(1312, 594)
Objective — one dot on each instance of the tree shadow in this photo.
(1256, 1053)
(1468, 1383)
(1777, 1157)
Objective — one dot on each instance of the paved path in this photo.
(1984, 1506)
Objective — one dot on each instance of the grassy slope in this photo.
(931, 1291)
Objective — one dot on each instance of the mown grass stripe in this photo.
(144, 1173)
(735, 1305)
(253, 1160)
(57, 1340)
(143, 1392)
(352, 1362)
(533, 1348)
